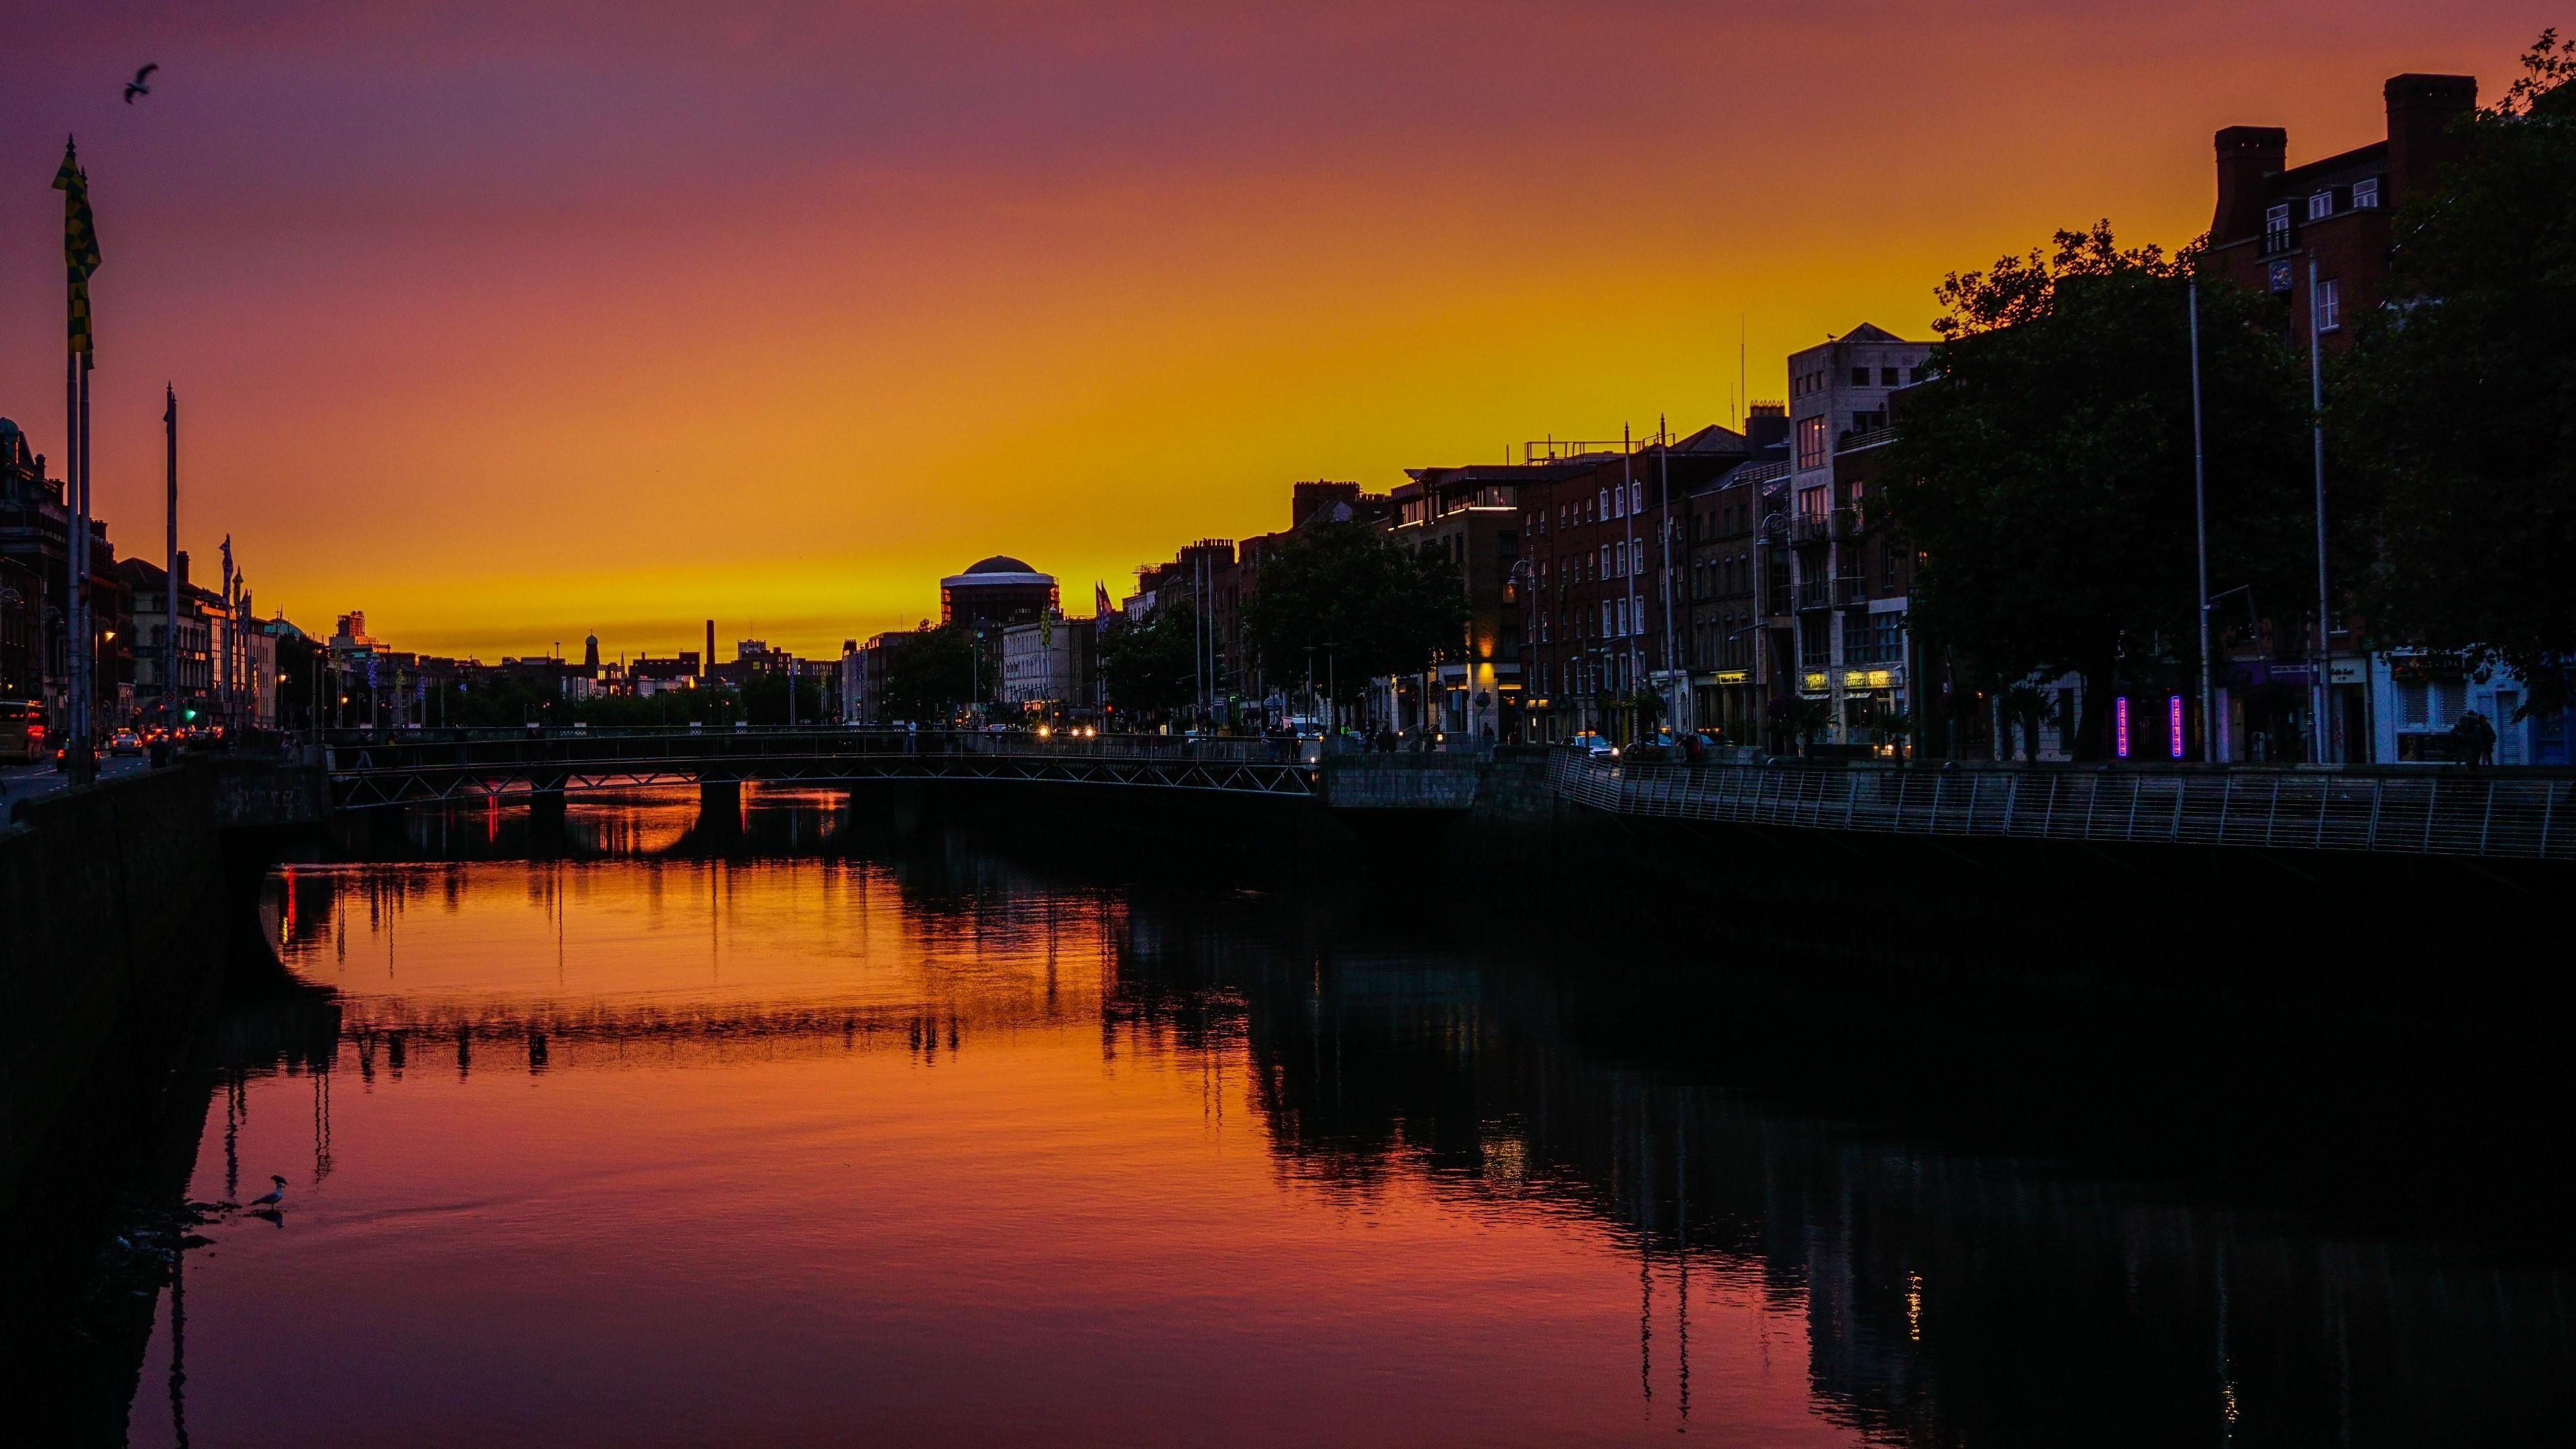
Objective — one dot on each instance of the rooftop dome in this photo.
(1000, 563)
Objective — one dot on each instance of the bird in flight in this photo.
(136, 86)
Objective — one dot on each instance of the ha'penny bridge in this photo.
(2430, 811)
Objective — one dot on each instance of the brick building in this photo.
(2273, 220)
(1471, 518)
(1608, 609)
(1722, 533)
(1844, 643)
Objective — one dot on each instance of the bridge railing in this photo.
(352, 752)
(2431, 814)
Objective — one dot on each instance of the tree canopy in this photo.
(1359, 600)
(933, 675)
(2046, 475)
(2455, 418)
(1150, 665)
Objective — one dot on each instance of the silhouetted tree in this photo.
(1149, 665)
(932, 676)
(2455, 419)
(2045, 475)
(1379, 606)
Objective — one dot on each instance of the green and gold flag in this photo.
(80, 245)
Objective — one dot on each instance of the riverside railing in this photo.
(396, 749)
(2449, 813)
(369, 770)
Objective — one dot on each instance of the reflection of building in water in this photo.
(1947, 1298)
(1929, 1296)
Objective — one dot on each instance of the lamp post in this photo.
(2317, 691)
(2200, 530)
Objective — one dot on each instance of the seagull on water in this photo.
(273, 1196)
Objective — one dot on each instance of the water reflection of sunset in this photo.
(950, 1160)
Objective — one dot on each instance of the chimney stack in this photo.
(2421, 109)
(707, 661)
(2248, 158)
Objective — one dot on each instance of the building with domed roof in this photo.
(995, 593)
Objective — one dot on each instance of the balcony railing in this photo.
(1811, 527)
(1815, 593)
(1851, 591)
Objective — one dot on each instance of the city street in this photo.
(23, 782)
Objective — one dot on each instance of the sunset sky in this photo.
(506, 321)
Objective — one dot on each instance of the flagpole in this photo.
(72, 601)
(84, 738)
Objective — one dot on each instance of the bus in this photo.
(22, 731)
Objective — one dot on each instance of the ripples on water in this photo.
(632, 1147)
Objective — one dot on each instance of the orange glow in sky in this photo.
(508, 321)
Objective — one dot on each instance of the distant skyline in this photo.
(508, 322)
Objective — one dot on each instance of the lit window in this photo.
(2276, 228)
(1811, 442)
(2321, 206)
(2329, 305)
(2365, 194)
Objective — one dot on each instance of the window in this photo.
(1816, 639)
(1605, 616)
(1887, 377)
(2321, 205)
(1811, 442)
(2329, 305)
(2276, 228)
(1814, 502)
(1874, 638)
(2365, 194)
(1604, 569)
(1914, 374)
(1860, 377)
(1603, 504)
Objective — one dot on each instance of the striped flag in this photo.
(80, 245)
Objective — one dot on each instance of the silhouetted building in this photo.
(1050, 666)
(995, 592)
(1603, 591)
(2272, 217)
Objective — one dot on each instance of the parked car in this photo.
(1594, 744)
(125, 742)
(22, 730)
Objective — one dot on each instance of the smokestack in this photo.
(707, 660)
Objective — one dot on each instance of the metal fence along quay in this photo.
(470, 763)
(2447, 813)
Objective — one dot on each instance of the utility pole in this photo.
(2317, 690)
(170, 563)
(1628, 508)
(1664, 480)
(2200, 532)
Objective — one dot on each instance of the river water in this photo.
(815, 1142)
